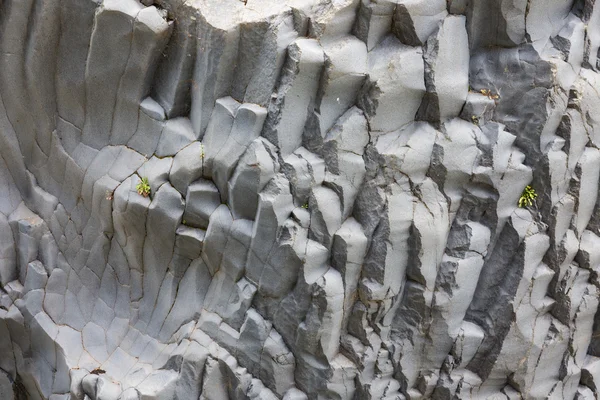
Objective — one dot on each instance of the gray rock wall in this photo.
(333, 208)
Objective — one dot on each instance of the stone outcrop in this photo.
(332, 202)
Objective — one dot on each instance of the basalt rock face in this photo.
(333, 208)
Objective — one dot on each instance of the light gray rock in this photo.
(478, 109)
(149, 36)
(192, 367)
(114, 20)
(201, 200)
(288, 108)
(71, 60)
(231, 300)
(189, 241)
(164, 216)
(337, 20)
(236, 250)
(254, 170)
(591, 16)
(326, 215)
(174, 71)
(130, 213)
(373, 21)
(275, 205)
(343, 77)
(129, 394)
(336, 199)
(247, 125)
(303, 169)
(176, 135)
(152, 109)
(190, 298)
(295, 394)
(217, 236)
(213, 70)
(265, 353)
(145, 139)
(343, 150)
(187, 167)
(393, 91)
(348, 252)
(544, 20)
(218, 129)
(446, 57)
(36, 276)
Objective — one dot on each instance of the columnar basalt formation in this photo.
(333, 207)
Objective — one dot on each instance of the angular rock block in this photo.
(394, 90)
(283, 199)
(201, 200)
(296, 92)
(417, 20)
(446, 71)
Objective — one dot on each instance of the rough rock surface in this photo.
(333, 207)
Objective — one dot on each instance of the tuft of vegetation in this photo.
(305, 206)
(490, 95)
(528, 197)
(143, 187)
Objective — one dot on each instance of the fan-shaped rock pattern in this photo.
(333, 208)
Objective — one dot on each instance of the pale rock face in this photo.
(299, 199)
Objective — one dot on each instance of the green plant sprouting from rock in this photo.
(528, 197)
(143, 187)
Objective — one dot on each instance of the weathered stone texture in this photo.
(333, 207)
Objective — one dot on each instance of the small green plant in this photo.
(143, 187)
(305, 205)
(527, 197)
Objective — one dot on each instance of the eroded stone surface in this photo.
(331, 208)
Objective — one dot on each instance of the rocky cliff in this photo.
(299, 199)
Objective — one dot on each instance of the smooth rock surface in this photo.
(299, 199)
